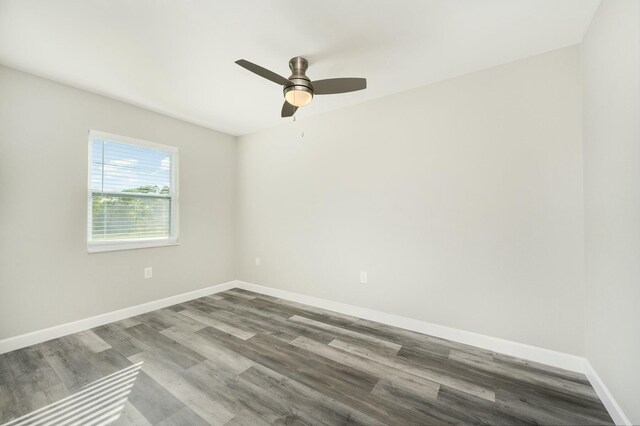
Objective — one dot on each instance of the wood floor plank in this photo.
(425, 388)
(152, 400)
(130, 416)
(331, 317)
(181, 322)
(345, 332)
(115, 336)
(153, 319)
(178, 307)
(543, 393)
(538, 368)
(288, 309)
(435, 345)
(172, 379)
(325, 367)
(125, 323)
(298, 359)
(47, 396)
(469, 409)
(245, 418)
(525, 376)
(270, 323)
(224, 387)
(429, 374)
(298, 368)
(86, 405)
(109, 362)
(12, 404)
(29, 370)
(155, 342)
(213, 297)
(199, 305)
(91, 341)
(186, 416)
(250, 322)
(210, 350)
(220, 325)
(532, 409)
(238, 294)
(297, 401)
(69, 363)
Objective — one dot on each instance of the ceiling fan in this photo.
(299, 89)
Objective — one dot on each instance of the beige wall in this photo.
(462, 200)
(46, 276)
(611, 76)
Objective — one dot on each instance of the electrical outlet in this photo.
(363, 277)
(148, 272)
(257, 261)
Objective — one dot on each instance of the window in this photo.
(133, 193)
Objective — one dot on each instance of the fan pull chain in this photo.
(301, 133)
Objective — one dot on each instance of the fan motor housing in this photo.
(298, 79)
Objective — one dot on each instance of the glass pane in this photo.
(119, 167)
(130, 217)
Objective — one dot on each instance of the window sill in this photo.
(106, 246)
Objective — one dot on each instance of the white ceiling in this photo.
(177, 57)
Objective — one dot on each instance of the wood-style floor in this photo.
(240, 358)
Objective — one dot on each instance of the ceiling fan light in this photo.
(298, 95)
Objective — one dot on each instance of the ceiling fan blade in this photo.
(262, 72)
(288, 110)
(332, 86)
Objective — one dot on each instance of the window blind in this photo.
(130, 192)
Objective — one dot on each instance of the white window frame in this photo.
(132, 244)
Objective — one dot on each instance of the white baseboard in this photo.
(508, 347)
(520, 350)
(605, 396)
(24, 340)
